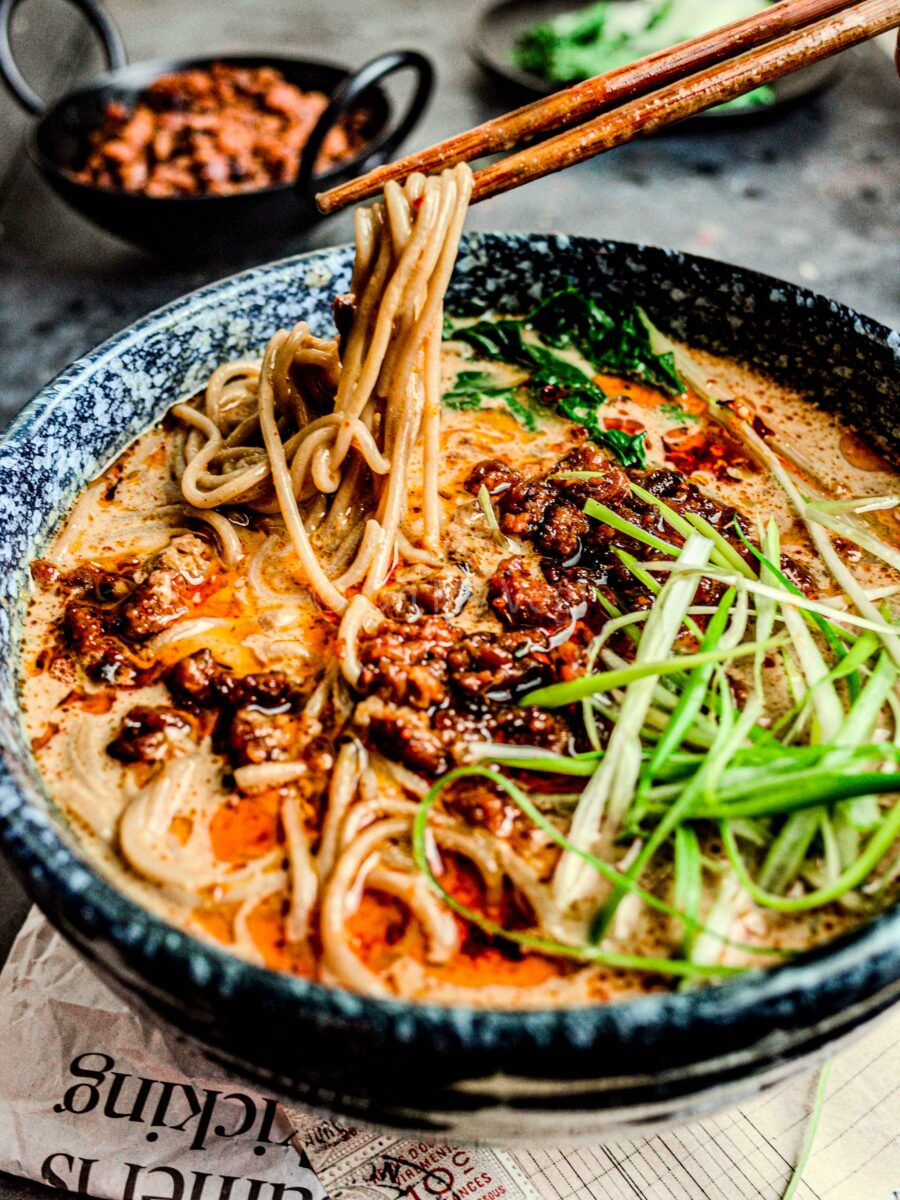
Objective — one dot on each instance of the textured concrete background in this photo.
(811, 195)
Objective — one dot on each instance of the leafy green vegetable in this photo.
(604, 36)
(615, 345)
(472, 388)
(459, 401)
(627, 447)
(522, 413)
(611, 343)
(677, 413)
(473, 384)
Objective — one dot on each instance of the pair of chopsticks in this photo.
(637, 100)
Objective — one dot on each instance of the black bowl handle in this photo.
(347, 96)
(99, 20)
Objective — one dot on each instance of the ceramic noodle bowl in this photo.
(449, 1072)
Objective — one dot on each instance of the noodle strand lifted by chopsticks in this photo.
(324, 431)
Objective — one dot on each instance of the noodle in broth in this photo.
(452, 663)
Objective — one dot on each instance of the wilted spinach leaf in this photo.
(678, 413)
(615, 346)
(472, 388)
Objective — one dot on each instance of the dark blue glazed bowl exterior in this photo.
(457, 1072)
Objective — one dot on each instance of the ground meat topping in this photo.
(110, 610)
(258, 718)
(431, 690)
(406, 662)
(560, 533)
(549, 510)
(443, 594)
(164, 595)
(523, 507)
(608, 484)
(683, 496)
(499, 667)
(193, 679)
(431, 744)
(409, 642)
(255, 735)
(477, 803)
(88, 581)
(149, 735)
(581, 551)
(105, 659)
(269, 690)
(199, 682)
(496, 475)
(157, 603)
(530, 726)
(403, 734)
(429, 663)
(212, 131)
(520, 594)
(798, 575)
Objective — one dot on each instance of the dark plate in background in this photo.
(500, 26)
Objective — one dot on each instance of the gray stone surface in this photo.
(812, 195)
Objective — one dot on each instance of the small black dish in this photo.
(202, 227)
(500, 26)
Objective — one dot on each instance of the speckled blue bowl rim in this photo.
(61, 881)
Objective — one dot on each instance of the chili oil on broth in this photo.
(222, 865)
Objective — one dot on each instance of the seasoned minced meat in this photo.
(259, 718)
(403, 734)
(164, 595)
(254, 735)
(193, 679)
(105, 659)
(521, 595)
(149, 735)
(442, 594)
(496, 475)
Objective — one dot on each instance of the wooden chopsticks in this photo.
(659, 90)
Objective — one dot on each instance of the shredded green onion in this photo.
(557, 695)
(484, 503)
(805, 798)
(594, 508)
(810, 1135)
(587, 952)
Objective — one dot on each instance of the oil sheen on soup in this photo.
(192, 713)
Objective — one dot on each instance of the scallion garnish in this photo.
(484, 503)
(728, 787)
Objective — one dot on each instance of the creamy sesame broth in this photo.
(510, 661)
(216, 859)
